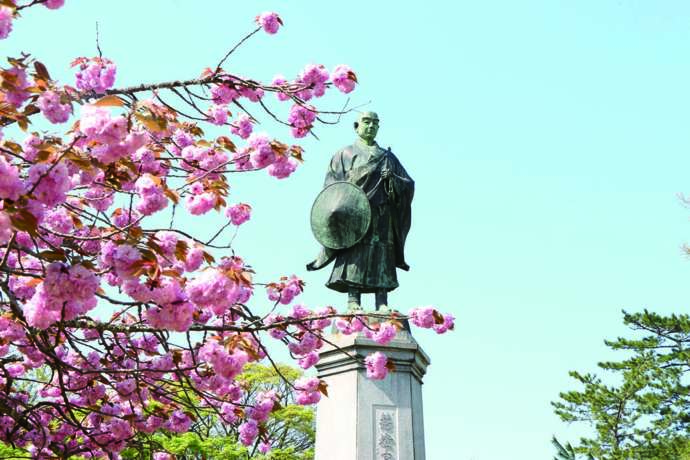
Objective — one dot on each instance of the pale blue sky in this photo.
(548, 141)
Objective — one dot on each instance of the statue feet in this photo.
(353, 306)
(384, 309)
(382, 302)
(354, 301)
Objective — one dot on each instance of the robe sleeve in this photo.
(336, 169)
(404, 191)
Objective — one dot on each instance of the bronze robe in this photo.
(370, 265)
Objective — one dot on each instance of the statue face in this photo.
(367, 126)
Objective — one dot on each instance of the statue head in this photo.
(366, 126)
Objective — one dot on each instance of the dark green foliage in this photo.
(647, 414)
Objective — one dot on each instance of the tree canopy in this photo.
(119, 322)
(641, 408)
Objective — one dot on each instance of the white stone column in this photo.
(364, 419)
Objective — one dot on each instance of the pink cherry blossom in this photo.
(385, 333)
(50, 182)
(162, 456)
(269, 21)
(121, 257)
(226, 365)
(108, 137)
(16, 370)
(223, 94)
(447, 325)
(301, 119)
(214, 290)
(227, 412)
(18, 94)
(182, 139)
(263, 405)
(307, 390)
(242, 126)
(194, 259)
(30, 145)
(11, 185)
(217, 114)
(343, 78)
(179, 422)
(305, 398)
(376, 366)
(314, 78)
(66, 293)
(95, 74)
(201, 203)
(307, 384)
(349, 327)
(207, 158)
(239, 213)
(280, 80)
(298, 311)
(285, 291)
(276, 333)
(253, 94)
(54, 4)
(6, 15)
(149, 162)
(248, 431)
(262, 153)
(151, 195)
(283, 167)
(423, 317)
(5, 227)
(123, 218)
(308, 360)
(99, 197)
(176, 316)
(52, 109)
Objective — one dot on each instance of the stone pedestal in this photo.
(364, 419)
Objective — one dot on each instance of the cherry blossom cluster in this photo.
(95, 74)
(269, 21)
(120, 325)
(52, 108)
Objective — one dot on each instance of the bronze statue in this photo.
(362, 217)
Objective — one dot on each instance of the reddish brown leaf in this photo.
(42, 71)
(438, 317)
(172, 195)
(209, 258)
(151, 122)
(181, 248)
(323, 388)
(53, 256)
(109, 101)
(226, 143)
(25, 221)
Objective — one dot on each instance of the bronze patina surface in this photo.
(340, 216)
(369, 265)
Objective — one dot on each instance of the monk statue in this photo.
(362, 217)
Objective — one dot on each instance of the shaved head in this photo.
(367, 125)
